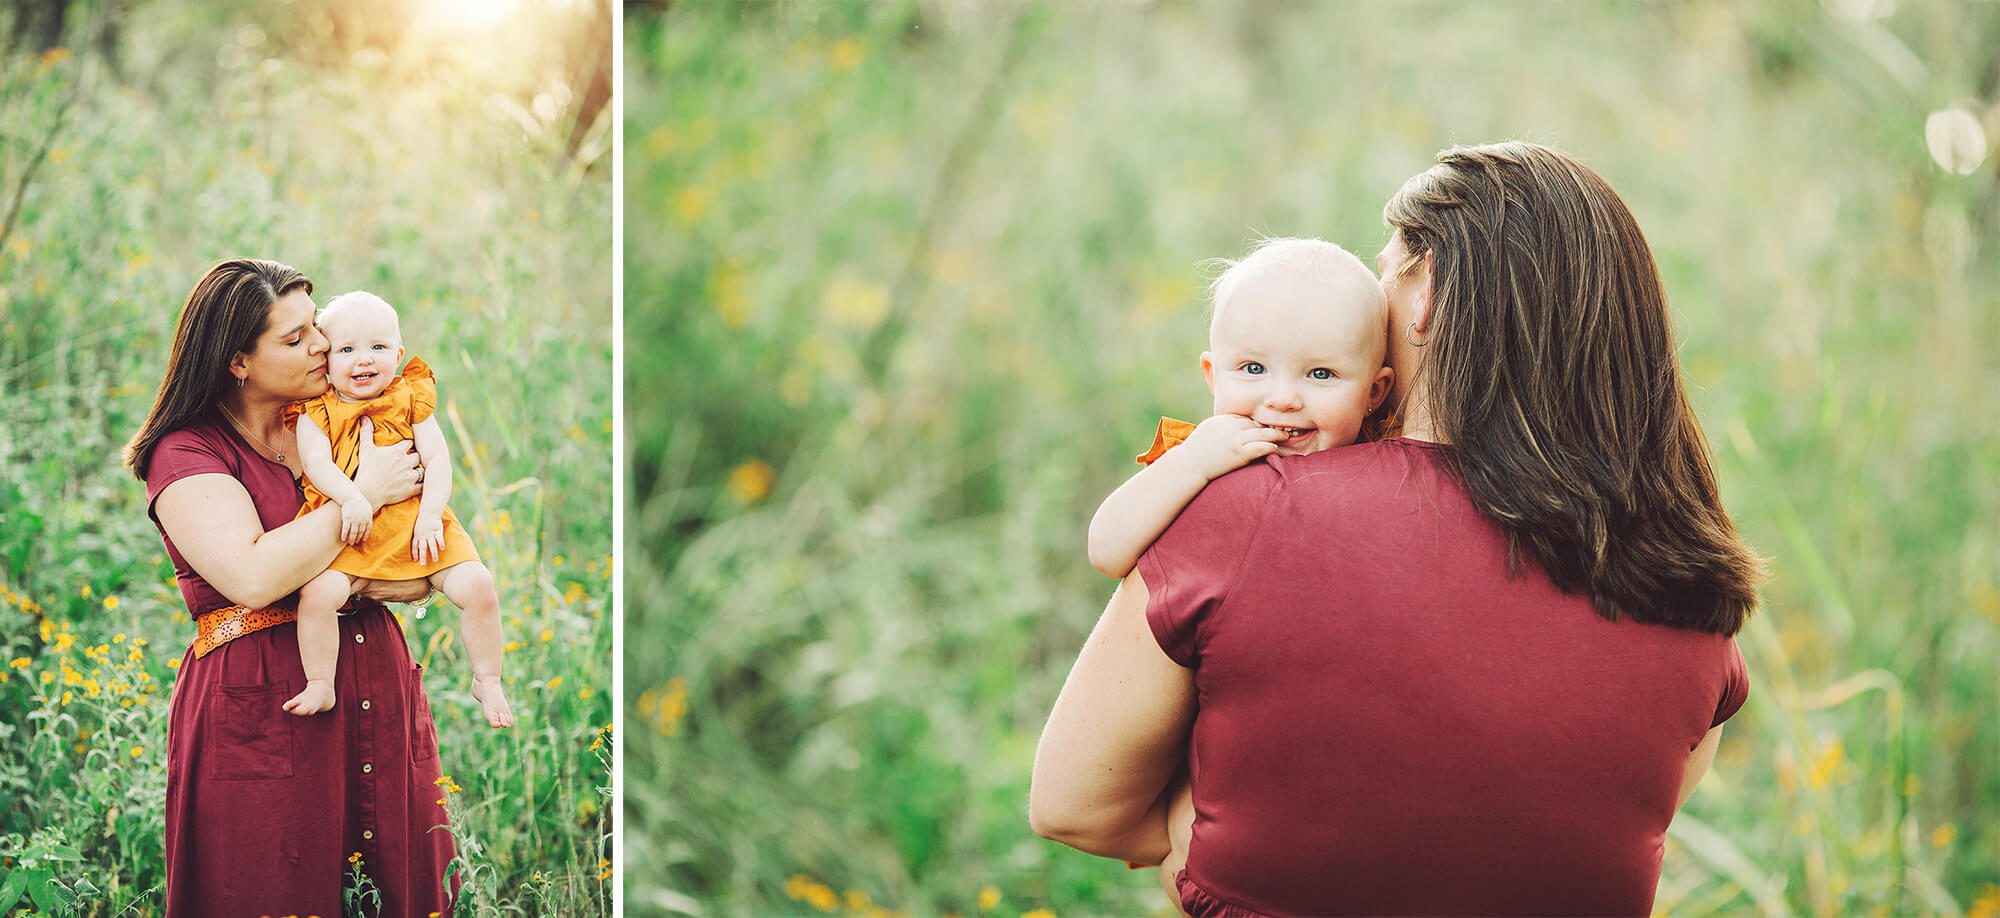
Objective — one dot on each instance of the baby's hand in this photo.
(492, 701)
(428, 545)
(1222, 444)
(317, 697)
(356, 518)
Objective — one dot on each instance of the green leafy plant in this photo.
(37, 873)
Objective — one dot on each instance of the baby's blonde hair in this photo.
(360, 298)
(1316, 260)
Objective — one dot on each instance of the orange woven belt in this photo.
(217, 627)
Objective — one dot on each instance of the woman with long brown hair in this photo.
(1471, 669)
(266, 812)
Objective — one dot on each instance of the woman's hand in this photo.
(428, 545)
(387, 474)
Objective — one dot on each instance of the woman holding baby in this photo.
(1471, 669)
(265, 811)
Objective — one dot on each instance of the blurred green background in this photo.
(453, 158)
(908, 283)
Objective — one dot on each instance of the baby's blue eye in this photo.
(381, 347)
(1254, 368)
(1320, 373)
(347, 350)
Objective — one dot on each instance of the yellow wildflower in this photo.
(1827, 765)
(111, 602)
(1988, 903)
(138, 751)
(845, 55)
(989, 898)
(751, 480)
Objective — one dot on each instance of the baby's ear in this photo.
(1378, 390)
(1208, 370)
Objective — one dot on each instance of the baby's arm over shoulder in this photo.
(1134, 516)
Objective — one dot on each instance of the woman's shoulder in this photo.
(1391, 457)
(200, 438)
(205, 447)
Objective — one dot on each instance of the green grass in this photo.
(907, 284)
(401, 176)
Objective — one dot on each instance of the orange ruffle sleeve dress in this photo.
(385, 553)
(1171, 433)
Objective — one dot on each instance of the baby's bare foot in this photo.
(493, 700)
(317, 697)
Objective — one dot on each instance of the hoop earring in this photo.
(239, 379)
(1407, 336)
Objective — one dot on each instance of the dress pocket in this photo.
(423, 732)
(248, 735)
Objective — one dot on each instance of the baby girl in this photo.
(1295, 363)
(416, 540)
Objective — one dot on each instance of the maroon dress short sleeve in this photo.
(1736, 688)
(263, 809)
(180, 454)
(1392, 719)
(211, 448)
(1190, 568)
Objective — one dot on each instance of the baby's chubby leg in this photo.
(1180, 830)
(319, 638)
(469, 586)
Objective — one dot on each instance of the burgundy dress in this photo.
(265, 808)
(1389, 724)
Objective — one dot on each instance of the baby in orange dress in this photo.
(1296, 365)
(416, 540)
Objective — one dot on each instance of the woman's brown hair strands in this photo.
(1551, 371)
(224, 315)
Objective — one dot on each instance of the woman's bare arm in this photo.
(1115, 739)
(1698, 762)
(215, 526)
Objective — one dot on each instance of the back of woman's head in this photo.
(224, 315)
(1550, 368)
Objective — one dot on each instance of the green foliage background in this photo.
(219, 130)
(908, 283)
